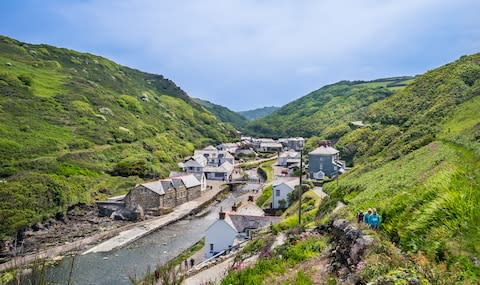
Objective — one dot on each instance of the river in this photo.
(160, 246)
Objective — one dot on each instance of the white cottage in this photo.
(280, 190)
(235, 227)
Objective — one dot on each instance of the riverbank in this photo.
(149, 226)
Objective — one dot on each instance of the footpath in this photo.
(123, 235)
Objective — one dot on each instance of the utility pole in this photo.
(301, 189)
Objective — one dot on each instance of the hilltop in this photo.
(75, 127)
(258, 113)
(223, 113)
(326, 111)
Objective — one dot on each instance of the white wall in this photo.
(221, 235)
(284, 190)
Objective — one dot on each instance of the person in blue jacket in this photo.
(375, 220)
(366, 217)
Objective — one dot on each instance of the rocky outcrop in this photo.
(351, 244)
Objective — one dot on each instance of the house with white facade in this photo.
(280, 191)
(223, 172)
(214, 156)
(233, 228)
(193, 164)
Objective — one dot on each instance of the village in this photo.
(201, 181)
(213, 169)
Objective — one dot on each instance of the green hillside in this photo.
(75, 127)
(258, 113)
(223, 113)
(326, 111)
(418, 163)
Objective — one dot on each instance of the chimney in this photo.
(234, 207)
(221, 214)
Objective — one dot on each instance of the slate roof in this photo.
(226, 167)
(242, 222)
(322, 150)
(290, 183)
(155, 186)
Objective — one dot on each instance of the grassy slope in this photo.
(419, 164)
(258, 113)
(326, 112)
(223, 113)
(75, 127)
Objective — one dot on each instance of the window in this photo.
(211, 247)
(277, 192)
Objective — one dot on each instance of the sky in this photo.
(245, 54)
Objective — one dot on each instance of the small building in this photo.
(214, 156)
(288, 157)
(193, 186)
(270, 147)
(193, 164)
(199, 176)
(325, 159)
(151, 196)
(292, 143)
(231, 229)
(222, 172)
(230, 147)
(280, 191)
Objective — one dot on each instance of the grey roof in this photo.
(166, 183)
(210, 147)
(290, 183)
(226, 167)
(271, 144)
(290, 154)
(177, 182)
(322, 150)
(155, 186)
(243, 222)
(190, 180)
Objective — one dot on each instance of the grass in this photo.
(267, 169)
(265, 196)
(310, 204)
(74, 127)
(428, 201)
(268, 267)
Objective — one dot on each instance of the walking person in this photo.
(360, 217)
(366, 217)
(375, 220)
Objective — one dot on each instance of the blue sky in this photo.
(246, 54)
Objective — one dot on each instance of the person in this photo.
(366, 217)
(360, 217)
(192, 262)
(186, 264)
(375, 220)
(157, 274)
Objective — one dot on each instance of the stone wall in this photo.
(181, 194)
(169, 200)
(194, 192)
(143, 197)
